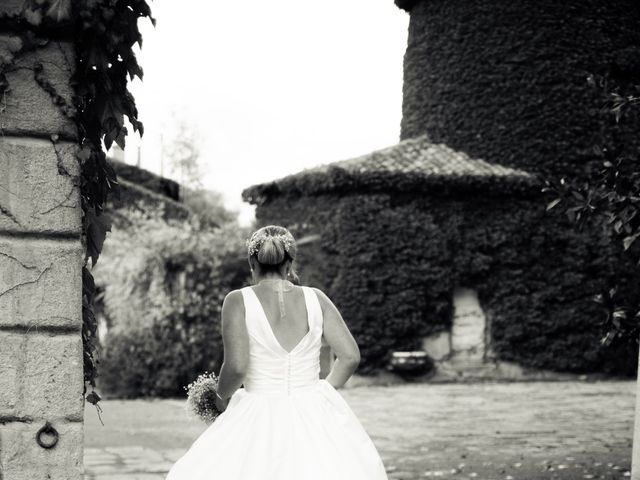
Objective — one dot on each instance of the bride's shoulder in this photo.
(316, 290)
(322, 297)
(233, 298)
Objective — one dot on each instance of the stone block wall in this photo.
(41, 377)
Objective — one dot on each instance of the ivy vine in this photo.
(104, 33)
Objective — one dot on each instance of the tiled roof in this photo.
(419, 156)
(415, 162)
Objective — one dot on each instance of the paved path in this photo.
(563, 430)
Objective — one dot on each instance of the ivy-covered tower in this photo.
(507, 81)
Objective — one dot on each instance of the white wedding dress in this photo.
(286, 423)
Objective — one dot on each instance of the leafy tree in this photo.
(182, 150)
(185, 163)
(610, 199)
(208, 206)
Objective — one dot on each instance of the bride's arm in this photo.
(235, 339)
(339, 338)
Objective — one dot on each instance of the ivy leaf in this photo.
(628, 241)
(4, 83)
(14, 44)
(33, 17)
(553, 203)
(121, 137)
(84, 155)
(60, 10)
(134, 69)
(97, 228)
(88, 285)
(608, 338)
(93, 398)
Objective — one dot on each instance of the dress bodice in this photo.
(272, 369)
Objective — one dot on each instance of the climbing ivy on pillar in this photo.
(95, 39)
(106, 33)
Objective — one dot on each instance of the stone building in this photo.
(415, 238)
(41, 363)
(140, 188)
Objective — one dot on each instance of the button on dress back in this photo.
(272, 368)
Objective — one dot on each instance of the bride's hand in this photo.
(221, 404)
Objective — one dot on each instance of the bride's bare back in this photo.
(290, 329)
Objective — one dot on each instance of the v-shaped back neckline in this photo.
(270, 328)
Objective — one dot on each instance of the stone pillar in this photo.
(41, 378)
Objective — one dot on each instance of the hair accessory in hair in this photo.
(258, 238)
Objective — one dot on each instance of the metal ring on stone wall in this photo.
(47, 437)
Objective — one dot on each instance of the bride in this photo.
(286, 423)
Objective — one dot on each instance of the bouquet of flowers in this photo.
(201, 397)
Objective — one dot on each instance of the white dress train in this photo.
(286, 423)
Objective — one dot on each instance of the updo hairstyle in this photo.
(273, 248)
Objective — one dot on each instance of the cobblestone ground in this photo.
(563, 430)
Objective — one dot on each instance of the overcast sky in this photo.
(271, 87)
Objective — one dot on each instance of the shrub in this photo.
(164, 283)
(160, 359)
